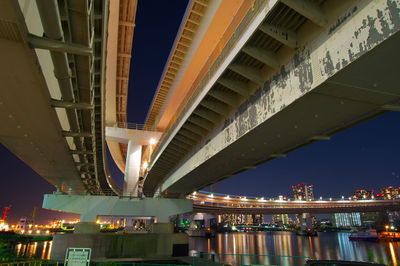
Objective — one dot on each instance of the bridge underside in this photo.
(28, 123)
(346, 75)
(359, 92)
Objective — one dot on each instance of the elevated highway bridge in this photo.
(246, 82)
(225, 204)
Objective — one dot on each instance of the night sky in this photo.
(365, 156)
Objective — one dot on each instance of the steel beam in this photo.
(207, 114)
(190, 134)
(177, 149)
(239, 87)
(180, 143)
(185, 140)
(58, 46)
(218, 107)
(71, 105)
(250, 73)
(201, 122)
(226, 97)
(195, 128)
(264, 56)
(308, 9)
(282, 35)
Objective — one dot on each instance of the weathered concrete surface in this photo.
(89, 207)
(346, 74)
(105, 245)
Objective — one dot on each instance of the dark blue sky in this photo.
(365, 156)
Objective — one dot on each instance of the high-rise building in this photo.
(280, 219)
(346, 219)
(391, 192)
(363, 194)
(234, 219)
(303, 192)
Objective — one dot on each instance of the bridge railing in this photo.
(135, 126)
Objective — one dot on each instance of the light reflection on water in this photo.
(325, 246)
(38, 250)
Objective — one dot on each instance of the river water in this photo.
(277, 245)
(278, 248)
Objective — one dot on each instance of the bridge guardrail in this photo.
(136, 126)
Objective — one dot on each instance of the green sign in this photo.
(77, 256)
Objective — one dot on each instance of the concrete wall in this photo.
(105, 245)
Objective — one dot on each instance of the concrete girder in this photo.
(308, 9)
(218, 107)
(285, 36)
(77, 134)
(201, 122)
(58, 46)
(190, 134)
(250, 73)
(239, 87)
(226, 97)
(267, 57)
(185, 140)
(71, 105)
(207, 114)
(195, 128)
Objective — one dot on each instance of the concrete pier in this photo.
(106, 245)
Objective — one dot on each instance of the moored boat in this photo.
(369, 235)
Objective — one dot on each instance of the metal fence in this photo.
(135, 126)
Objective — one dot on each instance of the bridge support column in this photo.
(87, 224)
(135, 139)
(160, 242)
(132, 169)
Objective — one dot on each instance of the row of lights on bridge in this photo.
(227, 197)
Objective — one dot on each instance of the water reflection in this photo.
(325, 246)
(40, 250)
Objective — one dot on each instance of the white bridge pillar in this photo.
(135, 140)
(132, 169)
